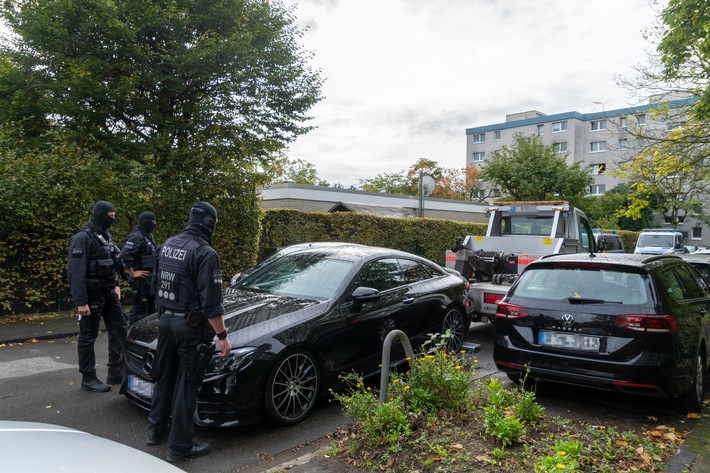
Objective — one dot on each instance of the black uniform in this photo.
(138, 253)
(92, 273)
(187, 282)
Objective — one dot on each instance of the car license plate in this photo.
(140, 386)
(572, 341)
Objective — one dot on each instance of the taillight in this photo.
(511, 311)
(647, 323)
(491, 298)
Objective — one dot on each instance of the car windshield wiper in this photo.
(589, 300)
(585, 300)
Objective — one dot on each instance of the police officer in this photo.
(138, 255)
(92, 271)
(187, 282)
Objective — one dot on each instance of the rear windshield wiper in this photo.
(585, 300)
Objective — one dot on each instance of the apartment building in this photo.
(599, 140)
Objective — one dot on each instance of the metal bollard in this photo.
(386, 348)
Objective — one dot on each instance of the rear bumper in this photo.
(646, 375)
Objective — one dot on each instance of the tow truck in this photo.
(518, 233)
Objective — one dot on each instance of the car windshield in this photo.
(309, 275)
(589, 284)
(663, 241)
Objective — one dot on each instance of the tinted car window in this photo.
(559, 283)
(672, 284)
(703, 269)
(413, 271)
(690, 283)
(382, 275)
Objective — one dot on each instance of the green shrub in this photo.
(566, 458)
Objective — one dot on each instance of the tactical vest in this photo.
(101, 261)
(146, 259)
(177, 288)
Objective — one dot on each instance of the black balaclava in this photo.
(145, 221)
(100, 217)
(204, 215)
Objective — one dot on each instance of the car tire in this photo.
(455, 322)
(292, 388)
(692, 400)
(386, 326)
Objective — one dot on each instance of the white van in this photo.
(655, 241)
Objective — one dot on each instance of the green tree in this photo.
(531, 170)
(180, 101)
(283, 169)
(403, 182)
(684, 50)
(665, 177)
(391, 183)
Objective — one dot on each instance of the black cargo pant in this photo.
(177, 379)
(104, 303)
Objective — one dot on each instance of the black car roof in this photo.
(637, 260)
(354, 251)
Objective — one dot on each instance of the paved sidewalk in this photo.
(66, 324)
(693, 456)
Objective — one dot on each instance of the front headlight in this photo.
(238, 358)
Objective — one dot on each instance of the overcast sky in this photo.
(405, 78)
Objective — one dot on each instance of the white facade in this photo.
(323, 199)
(599, 140)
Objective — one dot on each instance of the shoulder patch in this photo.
(217, 277)
(128, 245)
(77, 252)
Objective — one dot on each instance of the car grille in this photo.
(139, 360)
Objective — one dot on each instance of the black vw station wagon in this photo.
(630, 323)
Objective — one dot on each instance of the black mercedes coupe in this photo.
(298, 322)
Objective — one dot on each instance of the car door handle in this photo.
(407, 300)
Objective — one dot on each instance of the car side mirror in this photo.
(366, 294)
(601, 244)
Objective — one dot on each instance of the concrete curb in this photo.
(693, 455)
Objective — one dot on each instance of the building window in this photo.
(696, 233)
(478, 157)
(623, 143)
(479, 138)
(623, 122)
(496, 135)
(598, 125)
(559, 126)
(598, 168)
(540, 129)
(597, 189)
(641, 119)
(597, 146)
(561, 147)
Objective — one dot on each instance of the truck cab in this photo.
(518, 233)
(522, 232)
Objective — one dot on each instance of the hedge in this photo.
(27, 288)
